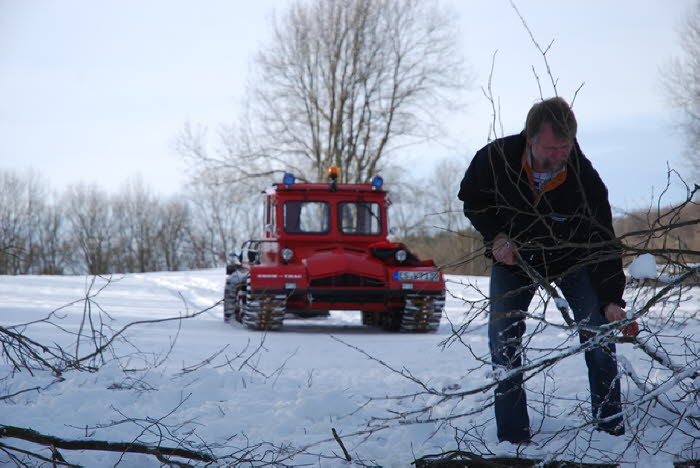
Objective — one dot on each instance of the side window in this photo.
(361, 218)
(306, 217)
(269, 216)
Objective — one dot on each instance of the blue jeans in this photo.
(511, 292)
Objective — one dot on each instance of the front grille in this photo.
(347, 280)
(341, 295)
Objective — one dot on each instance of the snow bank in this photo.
(281, 393)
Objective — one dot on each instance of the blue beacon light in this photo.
(288, 179)
(377, 182)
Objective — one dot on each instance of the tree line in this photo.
(86, 230)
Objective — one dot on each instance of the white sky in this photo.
(98, 91)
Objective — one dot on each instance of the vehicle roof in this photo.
(326, 187)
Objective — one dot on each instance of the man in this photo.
(537, 200)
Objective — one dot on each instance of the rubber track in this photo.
(422, 314)
(264, 311)
(229, 300)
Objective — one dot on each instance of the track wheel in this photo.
(263, 311)
(421, 314)
(229, 299)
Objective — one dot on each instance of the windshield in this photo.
(306, 217)
(362, 218)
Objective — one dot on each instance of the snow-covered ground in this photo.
(279, 395)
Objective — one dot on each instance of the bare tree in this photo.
(682, 83)
(445, 211)
(11, 220)
(22, 204)
(135, 227)
(344, 83)
(56, 249)
(89, 214)
(175, 224)
(221, 219)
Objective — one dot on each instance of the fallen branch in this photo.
(461, 459)
(654, 353)
(100, 445)
(8, 449)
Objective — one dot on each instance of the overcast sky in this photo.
(98, 91)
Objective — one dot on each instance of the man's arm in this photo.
(607, 272)
(478, 194)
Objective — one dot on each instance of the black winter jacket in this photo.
(567, 227)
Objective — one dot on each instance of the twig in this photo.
(6, 397)
(540, 281)
(342, 446)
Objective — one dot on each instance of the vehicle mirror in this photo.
(252, 256)
(234, 258)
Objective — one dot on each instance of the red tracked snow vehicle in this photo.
(324, 247)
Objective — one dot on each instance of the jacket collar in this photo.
(550, 185)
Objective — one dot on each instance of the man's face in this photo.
(549, 152)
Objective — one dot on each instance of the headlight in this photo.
(287, 254)
(400, 256)
(415, 275)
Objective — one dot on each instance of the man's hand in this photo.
(504, 249)
(614, 313)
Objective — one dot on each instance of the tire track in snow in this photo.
(196, 291)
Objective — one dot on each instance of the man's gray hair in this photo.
(553, 111)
